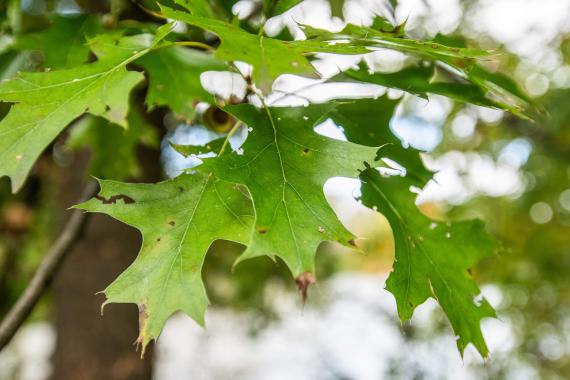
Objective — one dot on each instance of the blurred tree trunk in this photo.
(90, 346)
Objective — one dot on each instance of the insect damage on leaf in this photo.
(114, 198)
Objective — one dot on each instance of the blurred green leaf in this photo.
(113, 148)
(71, 29)
(174, 78)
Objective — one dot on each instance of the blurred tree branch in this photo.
(46, 272)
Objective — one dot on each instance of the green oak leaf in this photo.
(420, 80)
(269, 57)
(45, 103)
(367, 122)
(285, 164)
(424, 79)
(179, 219)
(493, 89)
(377, 38)
(432, 259)
(174, 78)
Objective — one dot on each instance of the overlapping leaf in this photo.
(475, 84)
(367, 122)
(47, 102)
(271, 58)
(432, 259)
(420, 80)
(268, 56)
(285, 165)
(179, 220)
(373, 37)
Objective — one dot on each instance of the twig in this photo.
(234, 129)
(46, 271)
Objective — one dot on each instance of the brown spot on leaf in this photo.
(460, 63)
(352, 242)
(470, 271)
(113, 199)
(262, 231)
(303, 282)
(172, 223)
(306, 150)
(158, 239)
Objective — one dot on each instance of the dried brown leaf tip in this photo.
(143, 318)
(303, 282)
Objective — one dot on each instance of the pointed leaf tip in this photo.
(303, 282)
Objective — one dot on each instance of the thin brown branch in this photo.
(46, 271)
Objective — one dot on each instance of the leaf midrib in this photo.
(285, 181)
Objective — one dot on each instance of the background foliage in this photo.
(127, 65)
